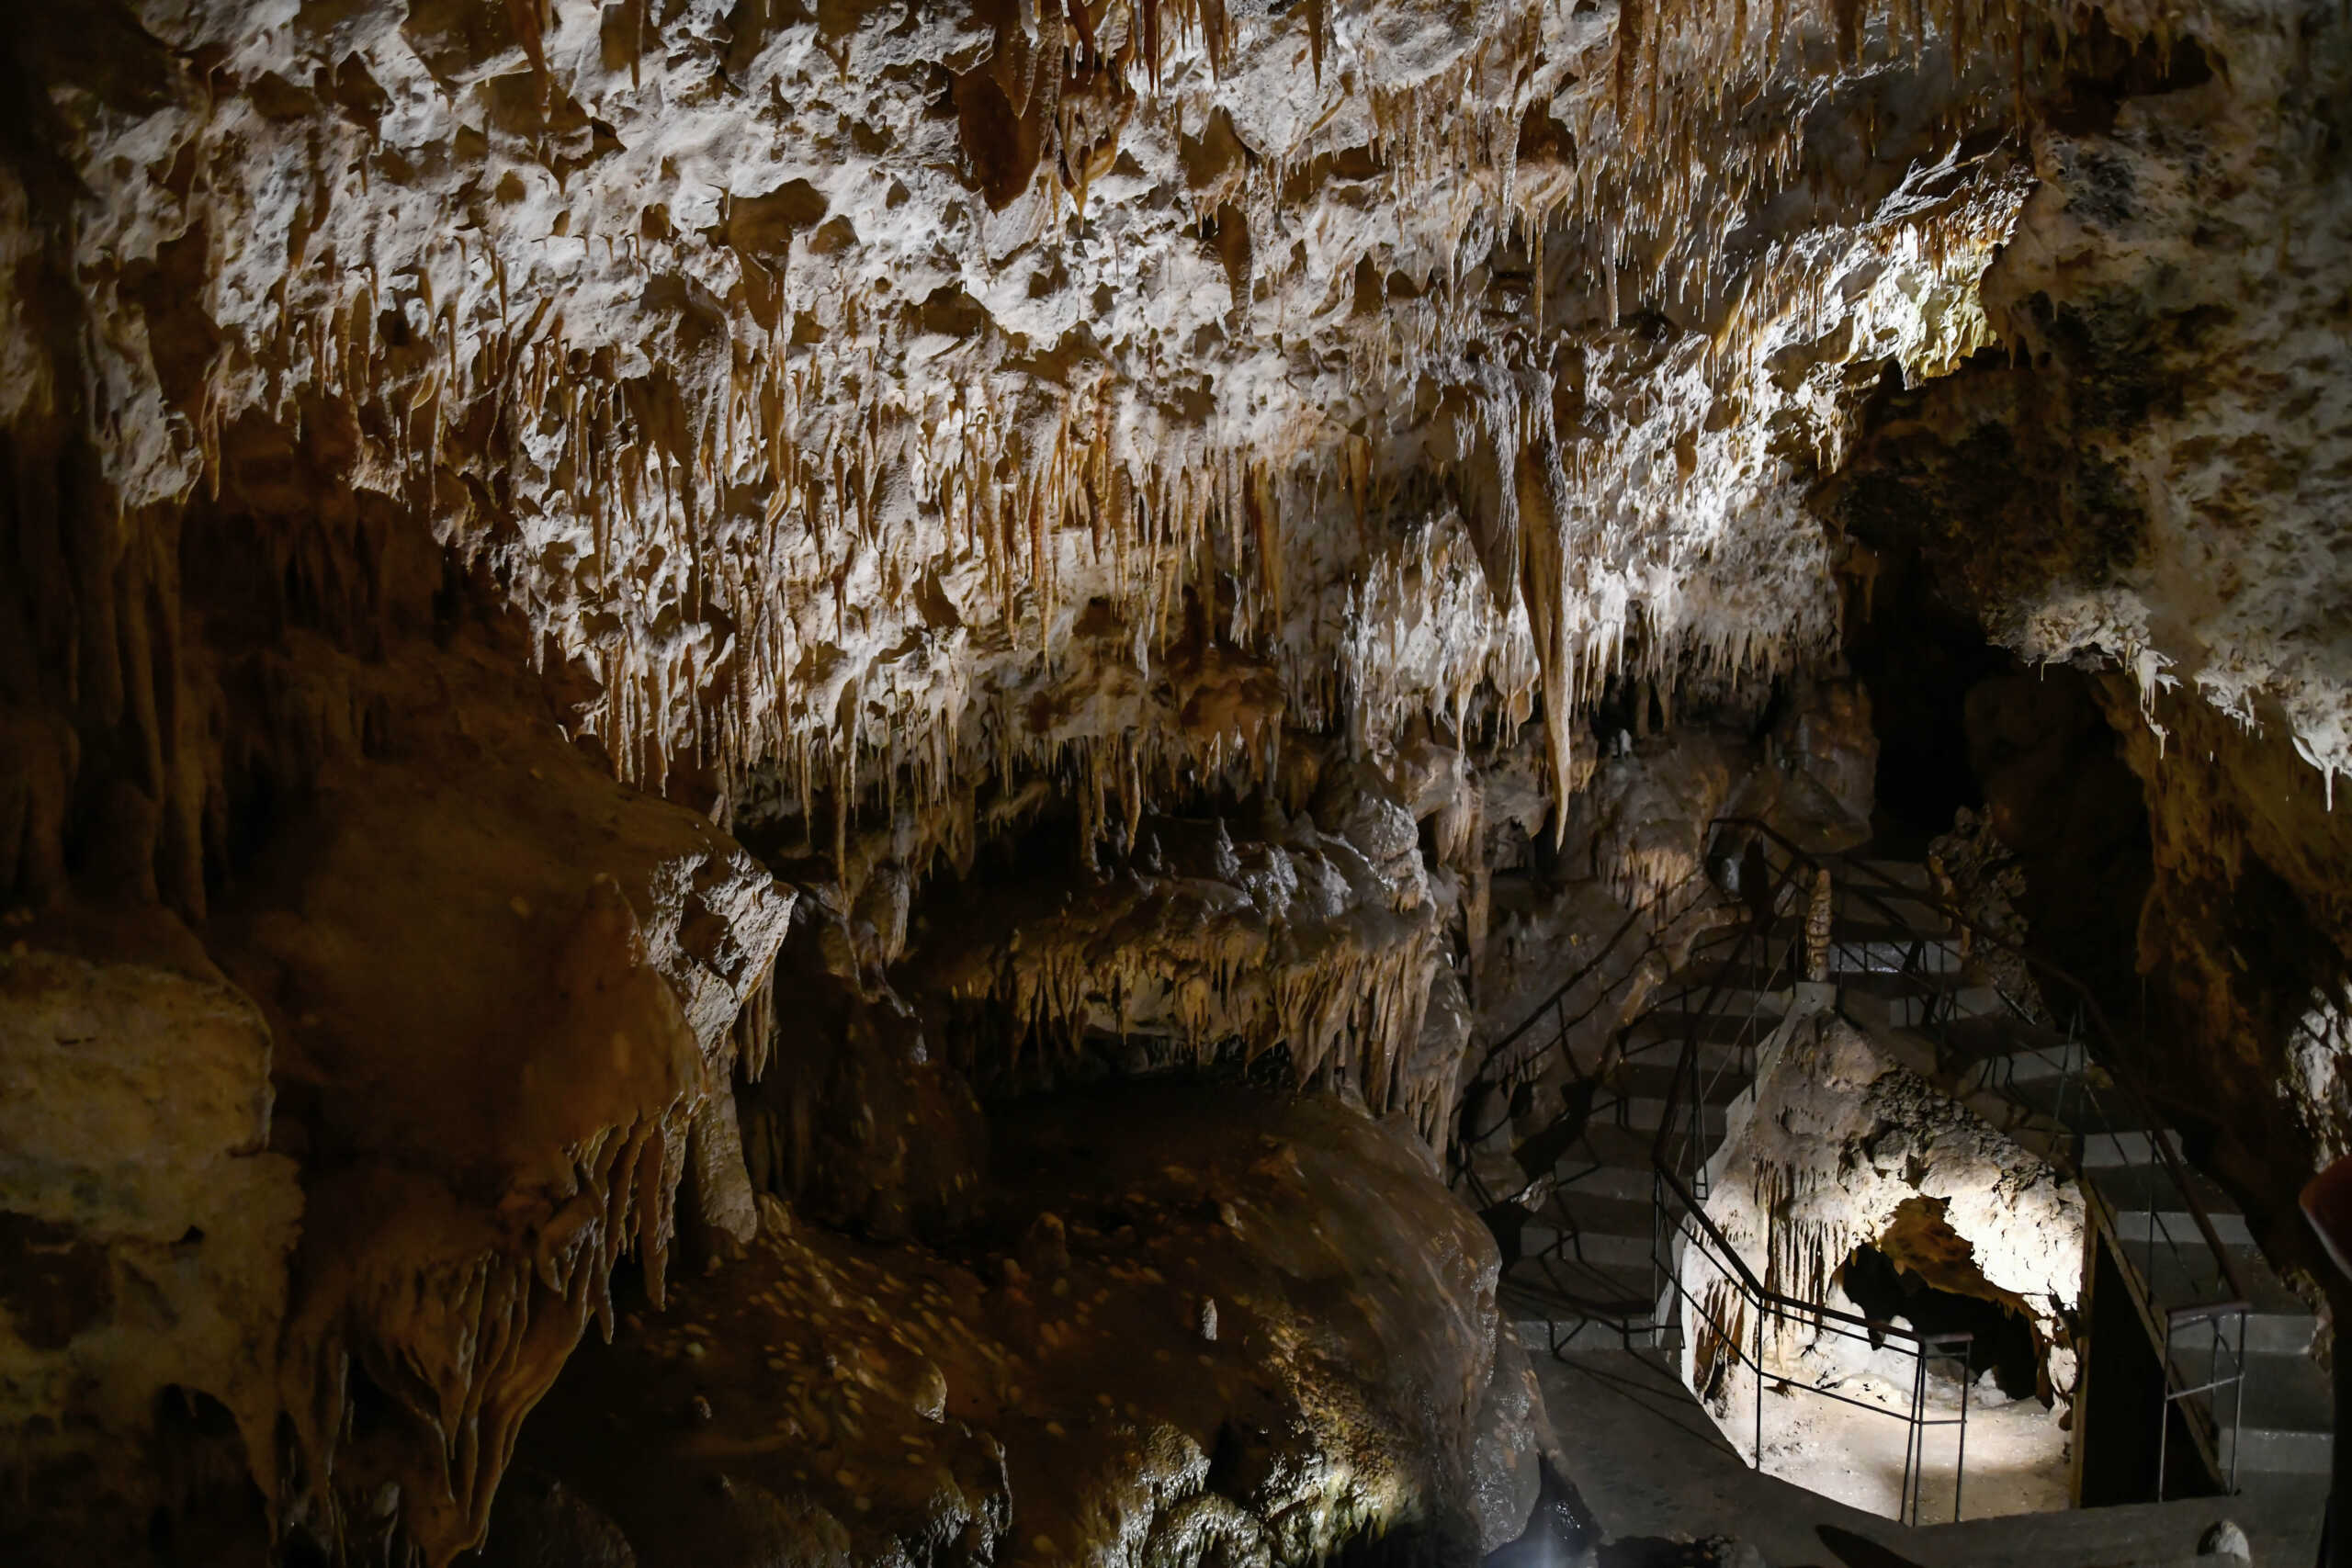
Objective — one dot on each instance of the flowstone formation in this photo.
(633, 636)
(1251, 1333)
(1844, 1144)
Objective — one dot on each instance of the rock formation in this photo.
(642, 644)
(1842, 1145)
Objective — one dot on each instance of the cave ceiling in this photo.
(503, 482)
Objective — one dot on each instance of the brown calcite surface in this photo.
(645, 646)
(1192, 1322)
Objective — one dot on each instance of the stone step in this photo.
(2104, 1150)
(2132, 1187)
(1609, 1162)
(2076, 1105)
(1645, 1113)
(1747, 974)
(2189, 1276)
(1667, 1053)
(1865, 904)
(1671, 1027)
(1906, 1001)
(1908, 874)
(1788, 926)
(2054, 1059)
(1561, 1304)
(1862, 950)
(2285, 1393)
(1594, 1229)
(2179, 1227)
(2281, 1512)
(2281, 1332)
(2277, 1452)
(1545, 1334)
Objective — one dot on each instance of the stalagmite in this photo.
(1082, 508)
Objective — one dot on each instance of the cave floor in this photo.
(2017, 1459)
(1650, 1463)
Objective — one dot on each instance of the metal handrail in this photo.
(2159, 1138)
(1558, 998)
(1764, 1301)
(1554, 1008)
(2237, 1300)
(1764, 1295)
(1678, 1209)
(1553, 1005)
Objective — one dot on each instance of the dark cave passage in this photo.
(2004, 1341)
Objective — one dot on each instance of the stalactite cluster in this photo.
(463, 463)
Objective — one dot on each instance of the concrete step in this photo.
(2273, 1451)
(1789, 925)
(1593, 1228)
(1908, 874)
(2285, 1395)
(1543, 1334)
(1861, 947)
(2280, 1514)
(2179, 1227)
(1747, 974)
(1610, 1161)
(1672, 1026)
(1558, 1305)
(2102, 1151)
(1875, 906)
(1864, 952)
(2183, 1277)
(2281, 1332)
(2133, 1187)
(2068, 1100)
(1910, 1001)
(2052, 1060)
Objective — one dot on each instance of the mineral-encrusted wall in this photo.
(2150, 479)
(466, 462)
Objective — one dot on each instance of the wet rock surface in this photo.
(1017, 1399)
(613, 612)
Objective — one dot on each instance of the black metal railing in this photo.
(1514, 1058)
(1739, 1313)
(2173, 1259)
(2110, 1114)
(1714, 1043)
(1743, 1340)
(1556, 1270)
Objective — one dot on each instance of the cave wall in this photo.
(2145, 483)
(544, 544)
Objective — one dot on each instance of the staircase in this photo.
(2249, 1401)
(2257, 1408)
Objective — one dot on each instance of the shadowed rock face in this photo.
(1189, 1320)
(608, 612)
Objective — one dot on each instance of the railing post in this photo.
(1760, 1387)
(2164, 1427)
(1960, 1458)
(2237, 1415)
(1906, 1502)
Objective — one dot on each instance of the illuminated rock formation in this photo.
(608, 612)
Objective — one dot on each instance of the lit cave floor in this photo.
(2017, 1456)
(1650, 1462)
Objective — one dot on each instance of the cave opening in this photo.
(2003, 1343)
(1012, 787)
(2036, 752)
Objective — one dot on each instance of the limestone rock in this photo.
(146, 1226)
(1098, 1416)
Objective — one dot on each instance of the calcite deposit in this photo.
(1840, 1145)
(618, 619)
(1253, 1333)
